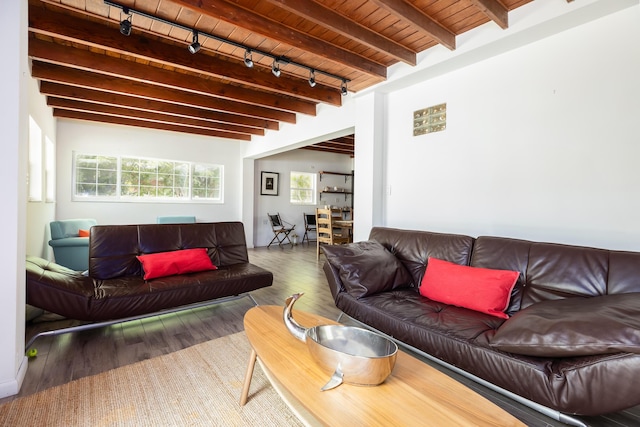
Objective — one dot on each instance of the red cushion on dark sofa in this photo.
(162, 264)
(479, 289)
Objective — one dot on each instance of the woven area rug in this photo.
(197, 386)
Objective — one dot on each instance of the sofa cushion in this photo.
(573, 327)
(163, 264)
(480, 289)
(83, 233)
(367, 268)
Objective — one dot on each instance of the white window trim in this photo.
(313, 189)
(119, 198)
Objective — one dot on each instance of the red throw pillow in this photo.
(479, 289)
(163, 264)
(83, 233)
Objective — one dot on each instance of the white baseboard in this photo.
(11, 387)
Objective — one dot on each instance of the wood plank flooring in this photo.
(75, 355)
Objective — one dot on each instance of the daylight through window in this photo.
(303, 188)
(145, 179)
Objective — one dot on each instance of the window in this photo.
(206, 182)
(303, 188)
(35, 161)
(50, 170)
(137, 179)
(154, 178)
(96, 176)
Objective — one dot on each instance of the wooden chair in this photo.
(326, 233)
(309, 225)
(281, 230)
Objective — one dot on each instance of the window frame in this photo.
(119, 196)
(313, 190)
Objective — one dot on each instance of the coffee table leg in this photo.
(247, 377)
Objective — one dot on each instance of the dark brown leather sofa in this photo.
(114, 287)
(575, 371)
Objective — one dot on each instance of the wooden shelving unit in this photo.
(346, 178)
(346, 175)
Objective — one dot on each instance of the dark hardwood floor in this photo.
(75, 355)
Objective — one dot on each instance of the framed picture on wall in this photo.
(269, 183)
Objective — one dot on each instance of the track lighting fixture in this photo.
(312, 78)
(125, 28)
(275, 68)
(125, 24)
(248, 58)
(195, 46)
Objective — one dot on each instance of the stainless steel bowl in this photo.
(349, 354)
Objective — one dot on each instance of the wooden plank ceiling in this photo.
(89, 70)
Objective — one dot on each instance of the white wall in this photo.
(14, 113)
(300, 161)
(328, 123)
(40, 213)
(541, 143)
(91, 138)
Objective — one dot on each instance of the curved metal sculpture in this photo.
(350, 354)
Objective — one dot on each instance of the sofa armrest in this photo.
(56, 288)
(333, 278)
(70, 242)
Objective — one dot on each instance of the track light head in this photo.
(248, 58)
(343, 88)
(195, 46)
(312, 78)
(278, 61)
(275, 68)
(125, 24)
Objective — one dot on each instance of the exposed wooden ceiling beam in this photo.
(150, 125)
(59, 74)
(60, 25)
(81, 106)
(495, 11)
(228, 12)
(105, 98)
(327, 18)
(411, 14)
(325, 149)
(89, 61)
(346, 140)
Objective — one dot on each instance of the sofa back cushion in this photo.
(65, 228)
(413, 248)
(367, 268)
(113, 248)
(551, 271)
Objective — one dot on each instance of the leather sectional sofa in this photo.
(571, 338)
(114, 286)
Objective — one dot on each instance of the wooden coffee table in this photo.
(414, 394)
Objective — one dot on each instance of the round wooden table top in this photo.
(414, 394)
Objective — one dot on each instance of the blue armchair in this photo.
(69, 249)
